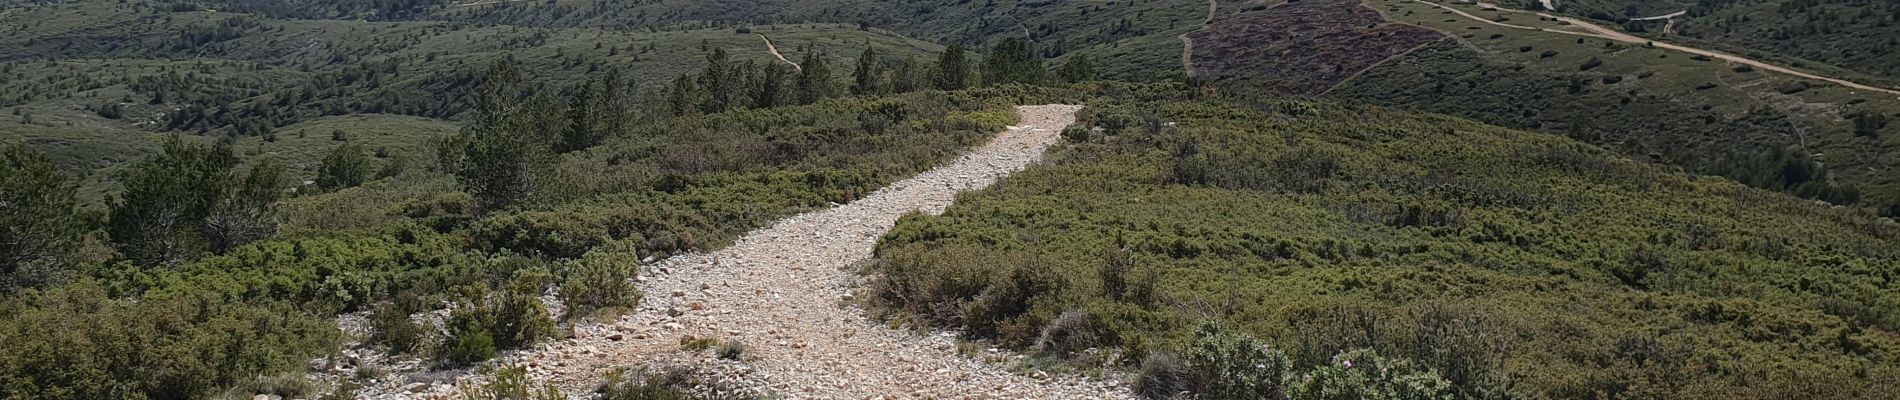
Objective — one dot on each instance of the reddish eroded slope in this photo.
(1299, 47)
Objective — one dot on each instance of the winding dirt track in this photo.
(774, 50)
(779, 290)
(1187, 45)
(1597, 31)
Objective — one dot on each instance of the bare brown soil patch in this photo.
(1299, 47)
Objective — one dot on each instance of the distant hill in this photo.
(1767, 129)
(97, 83)
(1862, 36)
(1138, 35)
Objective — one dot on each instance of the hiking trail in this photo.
(769, 48)
(783, 291)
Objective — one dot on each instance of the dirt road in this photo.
(1597, 31)
(774, 50)
(1187, 45)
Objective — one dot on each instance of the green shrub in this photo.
(469, 340)
(394, 328)
(731, 350)
(1162, 376)
(1070, 332)
(690, 343)
(521, 320)
(72, 341)
(289, 385)
(345, 167)
(1007, 308)
(1363, 374)
(675, 383)
(622, 384)
(512, 384)
(1235, 366)
(1077, 133)
(600, 281)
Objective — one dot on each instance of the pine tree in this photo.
(1012, 61)
(682, 97)
(501, 159)
(952, 71)
(40, 221)
(814, 79)
(865, 78)
(585, 114)
(718, 82)
(243, 212)
(1078, 68)
(186, 200)
(616, 104)
(770, 86)
(345, 167)
(904, 76)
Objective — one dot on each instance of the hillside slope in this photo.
(1513, 264)
(99, 83)
(1138, 35)
(1858, 36)
(1766, 129)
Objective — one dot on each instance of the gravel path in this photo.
(1598, 31)
(782, 291)
(769, 48)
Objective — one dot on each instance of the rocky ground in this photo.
(784, 292)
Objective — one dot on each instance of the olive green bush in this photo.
(1227, 365)
(600, 282)
(392, 327)
(512, 384)
(1363, 374)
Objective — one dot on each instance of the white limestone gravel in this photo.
(780, 290)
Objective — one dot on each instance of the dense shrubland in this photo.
(216, 269)
(1854, 35)
(1761, 146)
(1474, 261)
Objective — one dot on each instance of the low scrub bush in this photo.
(600, 282)
(393, 327)
(675, 383)
(1227, 365)
(512, 384)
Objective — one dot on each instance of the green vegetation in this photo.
(664, 384)
(1140, 35)
(191, 191)
(512, 384)
(346, 167)
(1645, 103)
(196, 229)
(1825, 34)
(1481, 261)
(41, 221)
(190, 200)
